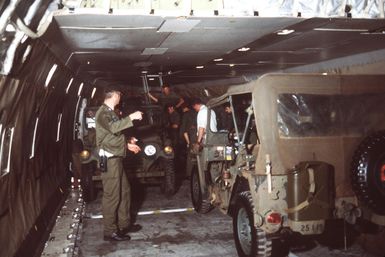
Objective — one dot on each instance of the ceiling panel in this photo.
(115, 39)
(109, 21)
(110, 47)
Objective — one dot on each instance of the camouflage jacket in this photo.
(109, 126)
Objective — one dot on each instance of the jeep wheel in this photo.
(249, 241)
(368, 172)
(168, 186)
(88, 186)
(200, 203)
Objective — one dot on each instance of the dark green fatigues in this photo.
(189, 126)
(173, 119)
(116, 188)
(171, 98)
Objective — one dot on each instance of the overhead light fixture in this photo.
(154, 51)
(373, 33)
(285, 32)
(200, 67)
(50, 74)
(144, 72)
(151, 79)
(69, 85)
(218, 59)
(80, 89)
(232, 65)
(93, 92)
(264, 62)
(244, 49)
(88, 62)
(340, 30)
(324, 73)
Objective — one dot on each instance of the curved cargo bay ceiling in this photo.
(117, 45)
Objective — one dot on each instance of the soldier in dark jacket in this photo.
(111, 143)
(168, 97)
(188, 132)
(173, 124)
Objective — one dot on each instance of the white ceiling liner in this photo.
(262, 8)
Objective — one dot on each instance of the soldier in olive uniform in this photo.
(173, 124)
(167, 97)
(188, 131)
(112, 143)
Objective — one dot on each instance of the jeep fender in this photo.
(241, 184)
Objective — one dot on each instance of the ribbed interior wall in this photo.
(32, 189)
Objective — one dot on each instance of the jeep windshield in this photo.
(308, 115)
(152, 114)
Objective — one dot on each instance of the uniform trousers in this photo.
(116, 199)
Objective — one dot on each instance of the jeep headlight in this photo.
(150, 150)
(84, 155)
(168, 149)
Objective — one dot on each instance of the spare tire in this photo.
(368, 172)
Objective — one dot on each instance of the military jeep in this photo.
(153, 165)
(309, 149)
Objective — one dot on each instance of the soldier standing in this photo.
(173, 124)
(188, 131)
(202, 110)
(111, 143)
(167, 97)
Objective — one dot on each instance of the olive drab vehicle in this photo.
(305, 149)
(153, 165)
